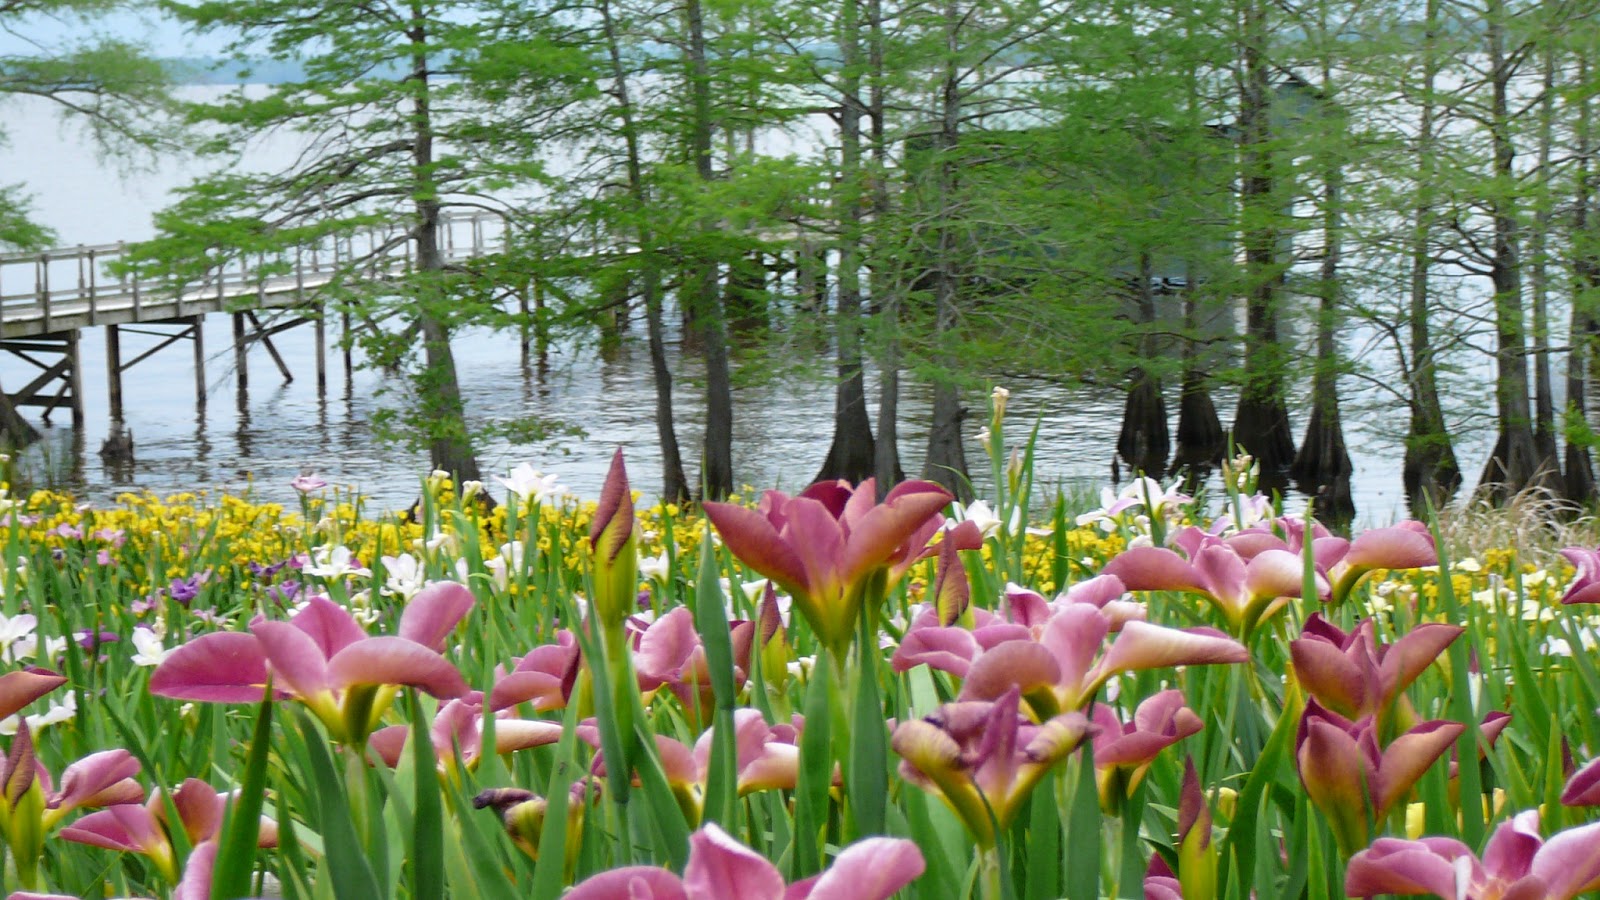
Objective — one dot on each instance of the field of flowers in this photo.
(828, 695)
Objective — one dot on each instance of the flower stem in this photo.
(989, 873)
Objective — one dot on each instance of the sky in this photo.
(162, 36)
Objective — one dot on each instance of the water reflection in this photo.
(781, 428)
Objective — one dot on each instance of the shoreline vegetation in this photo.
(827, 695)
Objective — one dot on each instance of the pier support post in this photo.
(240, 353)
(349, 364)
(195, 326)
(114, 373)
(75, 378)
(260, 333)
(321, 327)
(64, 373)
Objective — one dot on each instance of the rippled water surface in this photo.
(279, 429)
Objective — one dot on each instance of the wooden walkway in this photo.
(72, 288)
(48, 298)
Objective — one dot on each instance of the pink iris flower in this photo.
(324, 659)
(23, 686)
(459, 725)
(1353, 674)
(1349, 776)
(1245, 583)
(30, 807)
(1123, 752)
(1061, 663)
(1197, 857)
(144, 828)
(1159, 881)
(671, 655)
(1251, 575)
(984, 758)
(1407, 545)
(1583, 789)
(721, 868)
(1517, 864)
(767, 757)
(196, 883)
(544, 677)
(830, 546)
(1585, 587)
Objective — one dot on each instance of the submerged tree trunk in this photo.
(746, 294)
(1261, 424)
(674, 486)
(438, 389)
(1201, 440)
(1322, 467)
(1579, 481)
(1514, 464)
(716, 474)
(851, 455)
(1430, 471)
(1144, 441)
(947, 461)
(885, 291)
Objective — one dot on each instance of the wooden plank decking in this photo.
(72, 288)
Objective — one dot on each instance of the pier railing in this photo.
(77, 287)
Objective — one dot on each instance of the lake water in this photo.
(278, 430)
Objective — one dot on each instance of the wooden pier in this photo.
(47, 299)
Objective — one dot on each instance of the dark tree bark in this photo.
(885, 290)
(1430, 472)
(439, 389)
(674, 486)
(947, 461)
(1261, 424)
(1322, 467)
(1515, 464)
(1201, 440)
(1579, 481)
(1144, 441)
(851, 455)
(1544, 405)
(716, 472)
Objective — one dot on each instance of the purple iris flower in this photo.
(284, 593)
(184, 590)
(90, 640)
(266, 573)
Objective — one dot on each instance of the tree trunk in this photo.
(1544, 405)
(1261, 424)
(674, 486)
(438, 389)
(746, 295)
(1514, 464)
(716, 472)
(1144, 441)
(851, 455)
(1322, 467)
(1430, 472)
(1201, 440)
(947, 461)
(1579, 482)
(885, 291)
